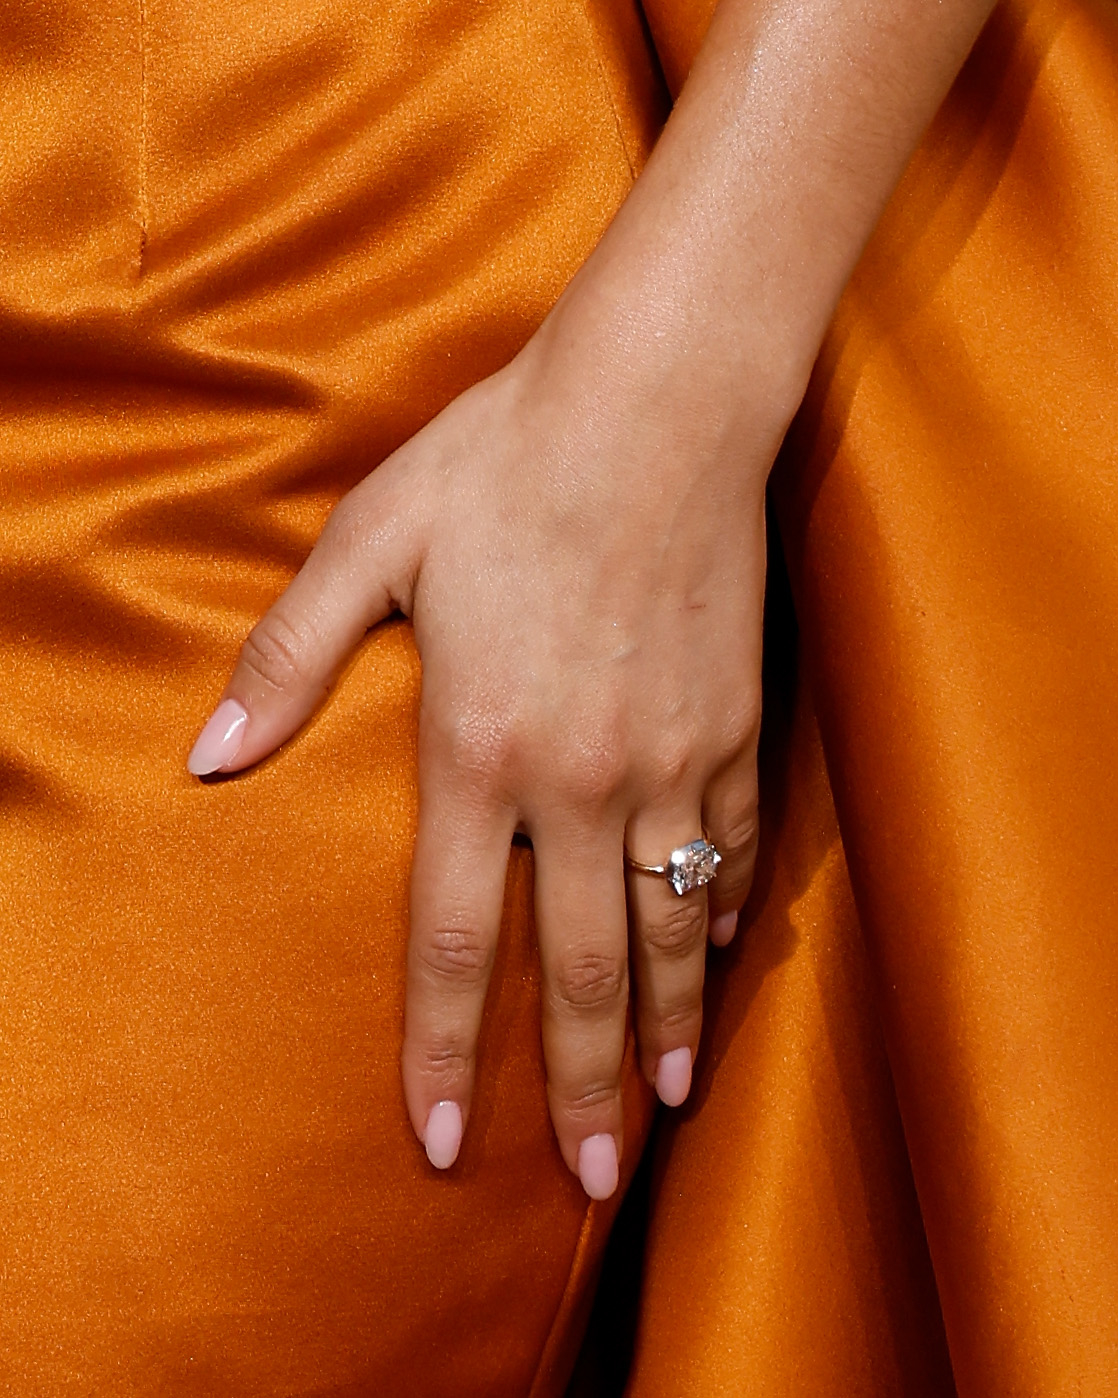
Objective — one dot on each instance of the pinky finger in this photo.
(730, 817)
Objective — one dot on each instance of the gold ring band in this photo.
(686, 868)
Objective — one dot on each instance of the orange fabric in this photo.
(246, 250)
(786, 1252)
(678, 28)
(949, 504)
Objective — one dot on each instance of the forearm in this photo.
(580, 542)
(725, 264)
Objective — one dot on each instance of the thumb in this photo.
(360, 570)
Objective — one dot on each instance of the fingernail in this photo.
(220, 740)
(722, 928)
(443, 1135)
(597, 1165)
(673, 1077)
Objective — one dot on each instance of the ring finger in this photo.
(668, 954)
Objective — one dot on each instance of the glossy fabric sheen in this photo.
(948, 502)
(249, 249)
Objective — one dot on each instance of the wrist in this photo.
(642, 364)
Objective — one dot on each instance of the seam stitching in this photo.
(607, 88)
(143, 190)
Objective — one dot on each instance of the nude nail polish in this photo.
(443, 1135)
(673, 1077)
(597, 1165)
(722, 928)
(220, 740)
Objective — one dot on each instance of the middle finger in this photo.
(580, 916)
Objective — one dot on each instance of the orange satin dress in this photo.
(245, 251)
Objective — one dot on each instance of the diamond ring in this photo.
(686, 868)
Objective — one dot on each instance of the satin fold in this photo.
(246, 253)
(948, 502)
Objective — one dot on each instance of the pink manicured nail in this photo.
(443, 1135)
(673, 1077)
(597, 1165)
(722, 928)
(220, 740)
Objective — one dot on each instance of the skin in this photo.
(579, 541)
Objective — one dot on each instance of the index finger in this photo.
(292, 655)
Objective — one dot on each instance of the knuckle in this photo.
(734, 890)
(479, 745)
(437, 1066)
(588, 764)
(591, 775)
(671, 765)
(591, 981)
(445, 1062)
(738, 834)
(682, 1019)
(586, 1100)
(347, 530)
(274, 652)
(455, 956)
(743, 727)
(342, 527)
(737, 843)
(677, 932)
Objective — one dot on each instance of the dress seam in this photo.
(142, 193)
(595, 45)
(574, 1276)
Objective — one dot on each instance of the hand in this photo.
(580, 542)
(584, 570)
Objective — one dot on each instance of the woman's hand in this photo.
(579, 541)
(586, 595)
